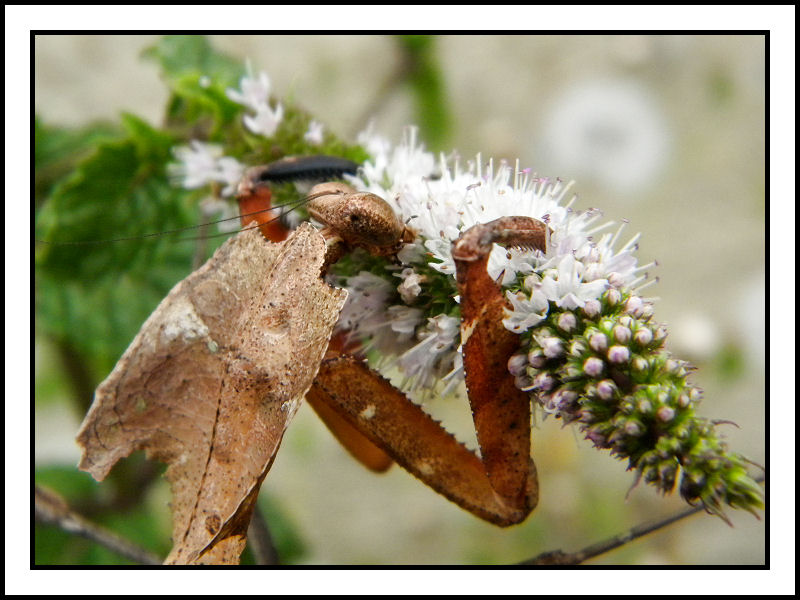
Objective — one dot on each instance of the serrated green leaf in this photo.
(198, 77)
(202, 111)
(58, 149)
(94, 297)
(153, 146)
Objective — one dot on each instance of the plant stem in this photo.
(53, 509)
(559, 557)
(260, 540)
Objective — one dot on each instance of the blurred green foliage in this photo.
(730, 363)
(57, 150)
(425, 79)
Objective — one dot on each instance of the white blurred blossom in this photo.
(254, 91)
(254, 95)
(314, 134)
(200, 164)
(695, 335)
(266, 120)
(608, 130)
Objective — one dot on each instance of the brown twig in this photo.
(200, 254)
(53, 509)
(260, 541)
(559, 557)
(78, 376)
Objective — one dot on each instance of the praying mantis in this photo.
(374, 421)
(423, 490)
(496, 488)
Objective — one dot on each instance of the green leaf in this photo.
(95, 296)
(207, 106)
(180, 55)
(137, 524)
(198, 77)
(118, 191)
(54, 546)
(58, 149)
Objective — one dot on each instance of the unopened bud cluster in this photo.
(604, 367)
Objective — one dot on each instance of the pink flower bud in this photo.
(592, 308)
(606, 389)
(634, 305)
(598, 342)
(544, 382)
(616, 280)
(517, 364)
(619, 354)
(665, 414)
(643, 336)
(621, 334)
(633, 428)
(536, 359)
(552, 347)
(593, 367)
(567, 321)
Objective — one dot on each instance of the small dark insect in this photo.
(254, 196)
(301, 168)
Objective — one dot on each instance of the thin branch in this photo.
(200, 254)
(260, 540)
(53, 509)
(559, 557)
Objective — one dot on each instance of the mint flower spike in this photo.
(589, 354)
(628, 395)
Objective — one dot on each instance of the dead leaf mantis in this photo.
(236, 346)
(250, 387)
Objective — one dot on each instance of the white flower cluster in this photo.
(255, 96)
(201, 164)
(439, 199)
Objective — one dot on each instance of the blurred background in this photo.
(667, 132)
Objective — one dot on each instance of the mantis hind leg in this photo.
(502, 486)
(415, 441)
(357, 444)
